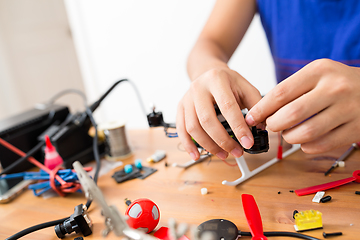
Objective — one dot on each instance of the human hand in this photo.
(196, 115)
(317, 107)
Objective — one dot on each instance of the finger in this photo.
(249, 95)
(298, 110)
(315, 127)
(340, 136)
(195, 130)
(231, 111)
(184, 137)
(285, 92)
(210, 123)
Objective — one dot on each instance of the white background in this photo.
(148, 42)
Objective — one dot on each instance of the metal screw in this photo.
(331, 234)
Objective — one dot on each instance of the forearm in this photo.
(221, 35)
(205, 55)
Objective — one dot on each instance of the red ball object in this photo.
(143, 214)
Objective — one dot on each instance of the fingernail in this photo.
(246, 142)
(193, 156)
(236, 152)
(249, 119)
(221, 155)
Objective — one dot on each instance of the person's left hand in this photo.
(317, 107)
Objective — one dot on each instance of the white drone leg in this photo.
(192, 162)
(246, 173)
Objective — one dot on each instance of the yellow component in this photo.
(306, 220)
(101, 135)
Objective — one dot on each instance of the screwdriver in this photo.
(343, 157)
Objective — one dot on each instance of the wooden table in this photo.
(177, 192)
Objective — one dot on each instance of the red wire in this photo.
(65, 186)
(280, 147)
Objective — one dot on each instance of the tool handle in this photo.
(325, 186)
(346, 154)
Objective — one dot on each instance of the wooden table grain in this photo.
(177, 193)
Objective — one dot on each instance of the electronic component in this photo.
(308, 220)
(221, 229)
(155, 119)
(79, 222)
(122, 176)
(261, 137)
(325, 199)
(325, 235)
(157, 156)
(261, 141)
(318, 196)
(144, 172)
(22, 131)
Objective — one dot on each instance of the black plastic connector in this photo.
(79, 222)
(261, 141)
(261, 137)
(155, 119)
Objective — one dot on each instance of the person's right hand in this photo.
(196, 115)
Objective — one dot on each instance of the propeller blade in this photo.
(253, 217)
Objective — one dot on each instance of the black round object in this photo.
(222, 229)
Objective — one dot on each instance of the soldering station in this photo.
(22, 144)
